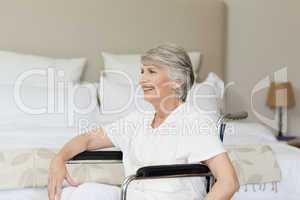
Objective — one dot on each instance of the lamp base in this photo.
(280, 122)
(285, 138)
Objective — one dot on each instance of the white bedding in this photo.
(13, 137)
(54, 137)
(24, 194)
(69, 106)
(288, 158)
(289, 162)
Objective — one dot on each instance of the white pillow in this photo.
(119, 97)
(207, 96)
(72, 106)
(247, 133)
(131, 63)
(37, 70)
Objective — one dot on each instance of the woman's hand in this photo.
(57, 174)
(95, 139)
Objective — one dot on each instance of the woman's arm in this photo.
(227, 182)
(95, 139)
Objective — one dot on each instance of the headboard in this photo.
(84, 28)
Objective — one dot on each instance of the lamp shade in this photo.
(280, 94)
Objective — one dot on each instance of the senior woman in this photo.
(172, 134)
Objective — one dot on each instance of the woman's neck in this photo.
(163, 109)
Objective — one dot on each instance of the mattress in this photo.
(13, 137)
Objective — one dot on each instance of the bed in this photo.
(79, 32)
(287, 156)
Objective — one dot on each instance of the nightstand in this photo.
(290, 140)
(295, 142)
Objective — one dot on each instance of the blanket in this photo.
(21, 168)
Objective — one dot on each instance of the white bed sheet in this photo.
(24, 194)
(288, 188)
(288, 158)
(13, 137)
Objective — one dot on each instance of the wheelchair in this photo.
(163, 171)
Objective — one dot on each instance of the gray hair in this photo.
(178, 62)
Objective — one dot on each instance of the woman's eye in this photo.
(149, 71)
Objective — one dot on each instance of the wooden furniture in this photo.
(295, 142)
(290, 140)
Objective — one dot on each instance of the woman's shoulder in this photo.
(138, 115)
(193, 114)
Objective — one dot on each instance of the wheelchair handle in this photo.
(236, 116)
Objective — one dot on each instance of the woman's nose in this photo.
(143, 78)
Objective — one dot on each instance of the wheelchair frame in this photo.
(162, 171)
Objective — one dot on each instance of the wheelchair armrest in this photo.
(99, 155)
(160, 171)
(231, 116)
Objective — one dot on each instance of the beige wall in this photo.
(84, 28)
(263, 36)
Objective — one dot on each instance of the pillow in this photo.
(247, 133)
(119, 97)
(130, 63)
(72, 106)
(207, 96)
(34, 70)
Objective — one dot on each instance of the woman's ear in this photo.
(176, 84)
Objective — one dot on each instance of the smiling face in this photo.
(156, 83)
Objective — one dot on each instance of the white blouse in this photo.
(185, 136)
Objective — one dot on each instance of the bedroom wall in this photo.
(78, 28)
(263, 37)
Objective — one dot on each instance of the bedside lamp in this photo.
(280, 95)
